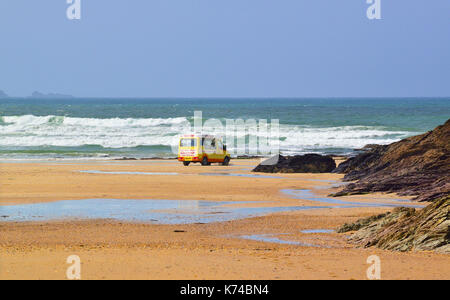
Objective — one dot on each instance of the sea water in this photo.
(110, 128)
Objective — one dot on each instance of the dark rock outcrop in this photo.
(417, 166)
(405, 229)
(309, 163)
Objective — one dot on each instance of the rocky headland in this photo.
(418, 166)
(39, 95)
(3, 95)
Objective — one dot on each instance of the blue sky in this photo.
(226, 48)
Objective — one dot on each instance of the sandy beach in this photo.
(272, 245)
(225, 140)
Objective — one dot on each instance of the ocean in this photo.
(145, 128)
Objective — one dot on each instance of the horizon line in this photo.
(69, 97)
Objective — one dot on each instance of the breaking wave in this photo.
(117, 133)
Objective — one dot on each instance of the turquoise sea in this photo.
(111, 128)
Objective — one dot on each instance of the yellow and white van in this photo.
(204, 149)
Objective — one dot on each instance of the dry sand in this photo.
(119, 250)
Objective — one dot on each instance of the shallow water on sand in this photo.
(240, 175)
(167, 211)
(155, 211)
(173, 173)
(332, 184)
(269, 238)
(310, 196)
(318, 231)
(127, 173)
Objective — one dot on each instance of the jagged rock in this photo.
(405, 229)
(360, 223)
(309, 163)
(417, 166)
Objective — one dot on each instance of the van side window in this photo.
(219, 147)
(207, 144)
(188, 143)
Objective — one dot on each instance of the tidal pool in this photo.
(336, 184)
(317, 231)
(127, 173)
(240, 175)
(153, 211)
(270, 238)
(324, 180)
(310, 196)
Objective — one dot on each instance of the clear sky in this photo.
(226, 48)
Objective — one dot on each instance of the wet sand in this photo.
(113, 249)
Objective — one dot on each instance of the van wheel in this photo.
(186, 163)
(205, 161)
(226, 161)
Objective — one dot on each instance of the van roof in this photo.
(200, 136)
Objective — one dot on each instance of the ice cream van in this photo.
(204, 149)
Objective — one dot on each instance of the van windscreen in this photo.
(188, 143)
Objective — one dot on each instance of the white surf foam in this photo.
(36, 131)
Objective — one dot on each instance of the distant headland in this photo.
(40, 95)
(37, 95)
(3, 95)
